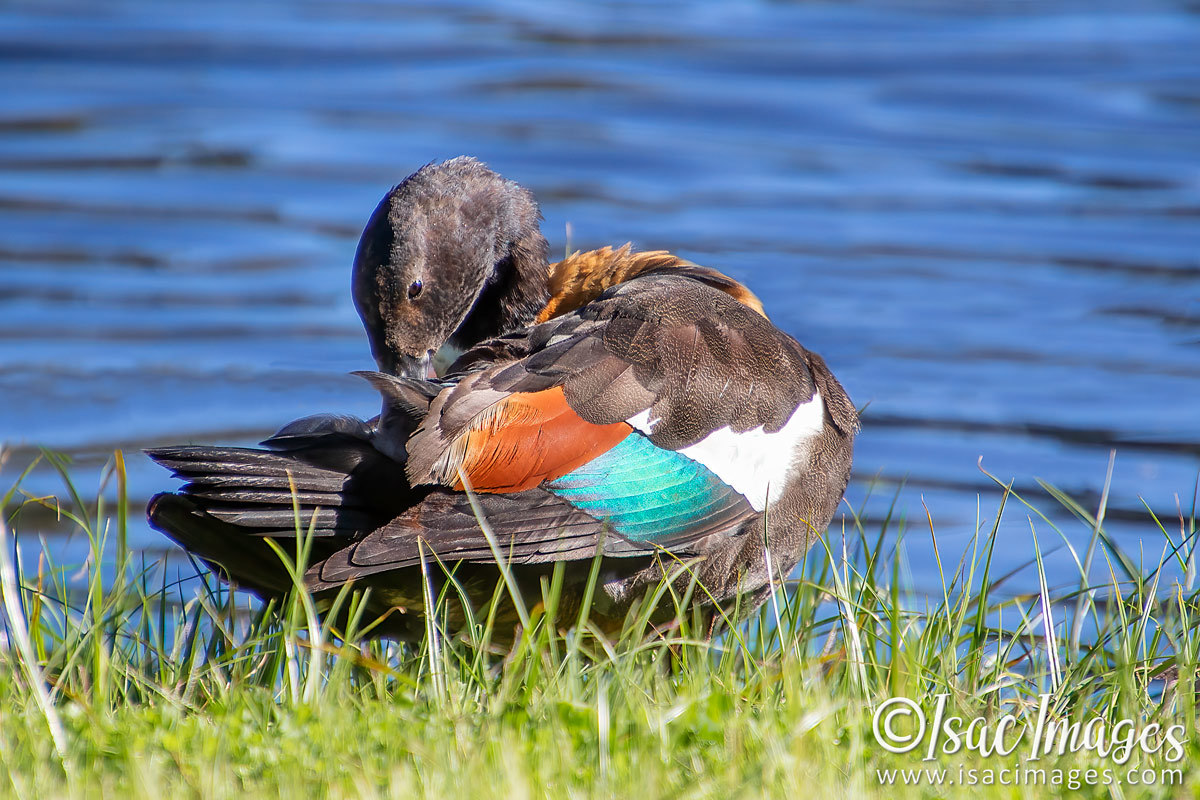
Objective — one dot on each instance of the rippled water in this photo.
(985, 217)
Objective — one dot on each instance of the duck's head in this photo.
(452, 255)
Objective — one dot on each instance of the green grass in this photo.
(115, 682)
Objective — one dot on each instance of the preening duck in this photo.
(632, 404)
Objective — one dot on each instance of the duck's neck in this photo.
(581, 277)
(510, 297)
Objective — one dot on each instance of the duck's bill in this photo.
(409, 367)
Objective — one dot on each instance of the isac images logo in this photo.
(900, 725)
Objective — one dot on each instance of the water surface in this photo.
(985, 217)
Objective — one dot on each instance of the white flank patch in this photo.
(754, 462)
(643, 423)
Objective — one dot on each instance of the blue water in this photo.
(986, 217)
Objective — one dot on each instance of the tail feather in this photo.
(319, 479)
(266, 483)
(246, 561)
(234, 466)
(253, 495)
(319, 428)
(338, 521)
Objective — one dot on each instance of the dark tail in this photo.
(322, 476)
(245, 561)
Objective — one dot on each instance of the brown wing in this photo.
(529, 527)
(693, 356)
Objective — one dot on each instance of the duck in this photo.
(629, 410)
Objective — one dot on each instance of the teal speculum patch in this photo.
(646, 493)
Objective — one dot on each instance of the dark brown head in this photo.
(453, 255)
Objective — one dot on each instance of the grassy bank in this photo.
(116, 680)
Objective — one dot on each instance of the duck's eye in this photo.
(414, 290)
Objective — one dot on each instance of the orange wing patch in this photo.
(529, 438)
(580, 277)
